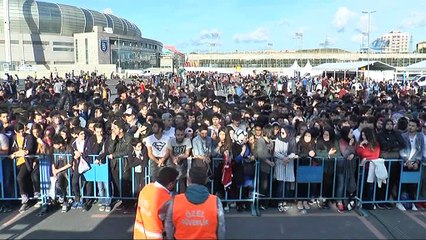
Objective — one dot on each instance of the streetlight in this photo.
(368, 41)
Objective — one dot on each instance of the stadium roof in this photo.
(420, 66)
(353, 66)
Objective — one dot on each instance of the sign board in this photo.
(104, 45)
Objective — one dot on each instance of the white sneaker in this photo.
(400, 207)
(414, 208)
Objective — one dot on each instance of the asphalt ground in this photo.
(314, 224)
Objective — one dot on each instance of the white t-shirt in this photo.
(159, 146)
(179, 148)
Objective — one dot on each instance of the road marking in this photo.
(415, 219)
(13, 219)
(112, 216)
(292, 215)
(371, 227)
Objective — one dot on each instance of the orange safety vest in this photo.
(148, 224)
(194, 221)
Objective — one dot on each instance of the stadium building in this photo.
(51, 35)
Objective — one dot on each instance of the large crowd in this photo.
(224, 123)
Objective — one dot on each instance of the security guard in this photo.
(195, 214)
(151, 210)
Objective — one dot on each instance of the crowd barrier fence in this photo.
(314, 178)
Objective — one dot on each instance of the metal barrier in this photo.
(314, 178)
(407, 181)
(240, 193)
(324, 178)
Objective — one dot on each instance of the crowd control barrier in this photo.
(308, 178)
(244, 192)
(312, 178)
(399, 186)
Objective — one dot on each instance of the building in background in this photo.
(50, 34)
(398, 42)
(421, 47)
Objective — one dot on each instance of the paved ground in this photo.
(316, 224)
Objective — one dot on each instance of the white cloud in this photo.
(341, 18)
(259, 35)
(414, 19)
(207, 37)
(210, 34)
(108, 11)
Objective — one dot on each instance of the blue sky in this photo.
(246, 25)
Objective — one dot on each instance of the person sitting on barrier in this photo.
(412, 155)
(391, 142)
(368, 149)
(202, 148)
(328, 149)
(180, 149)
(61, 161)
(22, 145)
(157, 149)
(284, 155)
(305, 150)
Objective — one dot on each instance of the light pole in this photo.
(7, 37)
(368, 41)
(119, 57)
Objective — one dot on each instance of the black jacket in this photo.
(390, 142)
(66, 101)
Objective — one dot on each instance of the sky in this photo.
(253, 25)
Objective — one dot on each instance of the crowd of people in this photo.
(222, 123)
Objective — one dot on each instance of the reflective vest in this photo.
(194, 221)
(148, 224)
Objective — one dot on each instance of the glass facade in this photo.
(72, 20)
(24, 17)
(52, 27)
(89, 21)
(50, 18)
(29, 16)
(99, 19)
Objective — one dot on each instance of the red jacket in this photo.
(368, 153)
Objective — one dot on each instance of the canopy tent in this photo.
(354, 66)
(417, 67)
(307, 69)
(295, 66)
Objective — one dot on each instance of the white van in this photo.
(420, 80)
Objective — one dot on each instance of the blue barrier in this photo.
(370, 194)
(312, 173)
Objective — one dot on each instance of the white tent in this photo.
(295, 66)
(417, 67)
(306, 69)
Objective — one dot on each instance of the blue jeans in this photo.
(103, 198)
